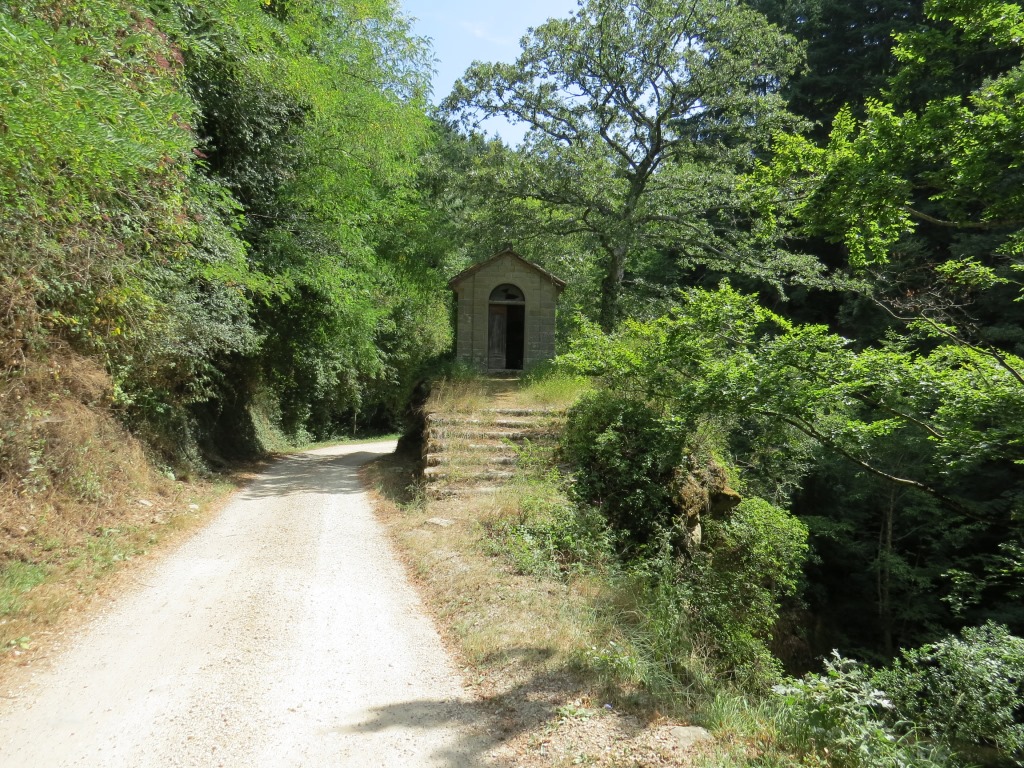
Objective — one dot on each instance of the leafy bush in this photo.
(964, 690)
(625, 457)
(629, 460)
(553, 536)
(846, 718)
(667, 655)
(751, 560)
(540, 529)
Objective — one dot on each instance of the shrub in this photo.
(844, 716)
(667, 655)
(752, 559)
(966, 690)
(540, 529)
(624, 455)
(553, 536)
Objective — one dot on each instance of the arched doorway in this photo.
(506, 328)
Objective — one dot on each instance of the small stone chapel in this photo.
(506, 313)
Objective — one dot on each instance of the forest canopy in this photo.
(211, 199)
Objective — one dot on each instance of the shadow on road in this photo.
(534, 706)
(313, 473)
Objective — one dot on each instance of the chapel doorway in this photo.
(506, 328)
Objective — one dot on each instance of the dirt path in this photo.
(284, 634)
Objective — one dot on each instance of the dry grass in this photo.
(456, 395)
(504, 621)
(78, 497)
(476, 594)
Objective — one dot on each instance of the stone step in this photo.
(486, 460)
(439, 492)
(475, 454)
(506, 422)
(472, 452)
(542, 412)
(482, 450)
(437, 473)
(490, 434)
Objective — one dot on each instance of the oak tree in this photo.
(637, 114)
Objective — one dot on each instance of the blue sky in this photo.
(463, 31)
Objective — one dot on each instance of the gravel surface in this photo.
(283, 634)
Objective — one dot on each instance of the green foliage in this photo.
(315, 121)
(634, 465)
(663, 652)
(722, 354)
(549, 535)
(212, 200)
(845, 717)
(692, 623)
(93, 168)
(905, 456)
(625, 458)
(747, 564)
(849, 50)
(923, 189)
(639, 118)
(964, 690)
(960, 692)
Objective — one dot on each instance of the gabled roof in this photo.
(558, 283)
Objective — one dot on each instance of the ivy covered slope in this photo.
(218, 202)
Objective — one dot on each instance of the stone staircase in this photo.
(476, 453)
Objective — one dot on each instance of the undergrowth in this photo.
(685, 634)
(545, 385)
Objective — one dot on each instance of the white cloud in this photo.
(482, 31)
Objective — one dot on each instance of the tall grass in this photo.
(546, 386)
(462, 390)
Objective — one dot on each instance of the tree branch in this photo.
(980, 225)
(867, 467)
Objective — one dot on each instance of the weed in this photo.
(964, 690)
(574, 711)
(17, 578)
(844, 715)
(539, 529)
(111, 546)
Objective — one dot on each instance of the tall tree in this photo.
(205, 196)
(928, 198)
(922, 194)
(637, 114)
(849, 50)
(313, 114)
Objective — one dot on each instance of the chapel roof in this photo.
(558, 283)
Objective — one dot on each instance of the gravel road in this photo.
(282, 634)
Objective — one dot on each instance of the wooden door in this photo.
(497, 336)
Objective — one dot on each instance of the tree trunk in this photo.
(611, 287)
(885, 573)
